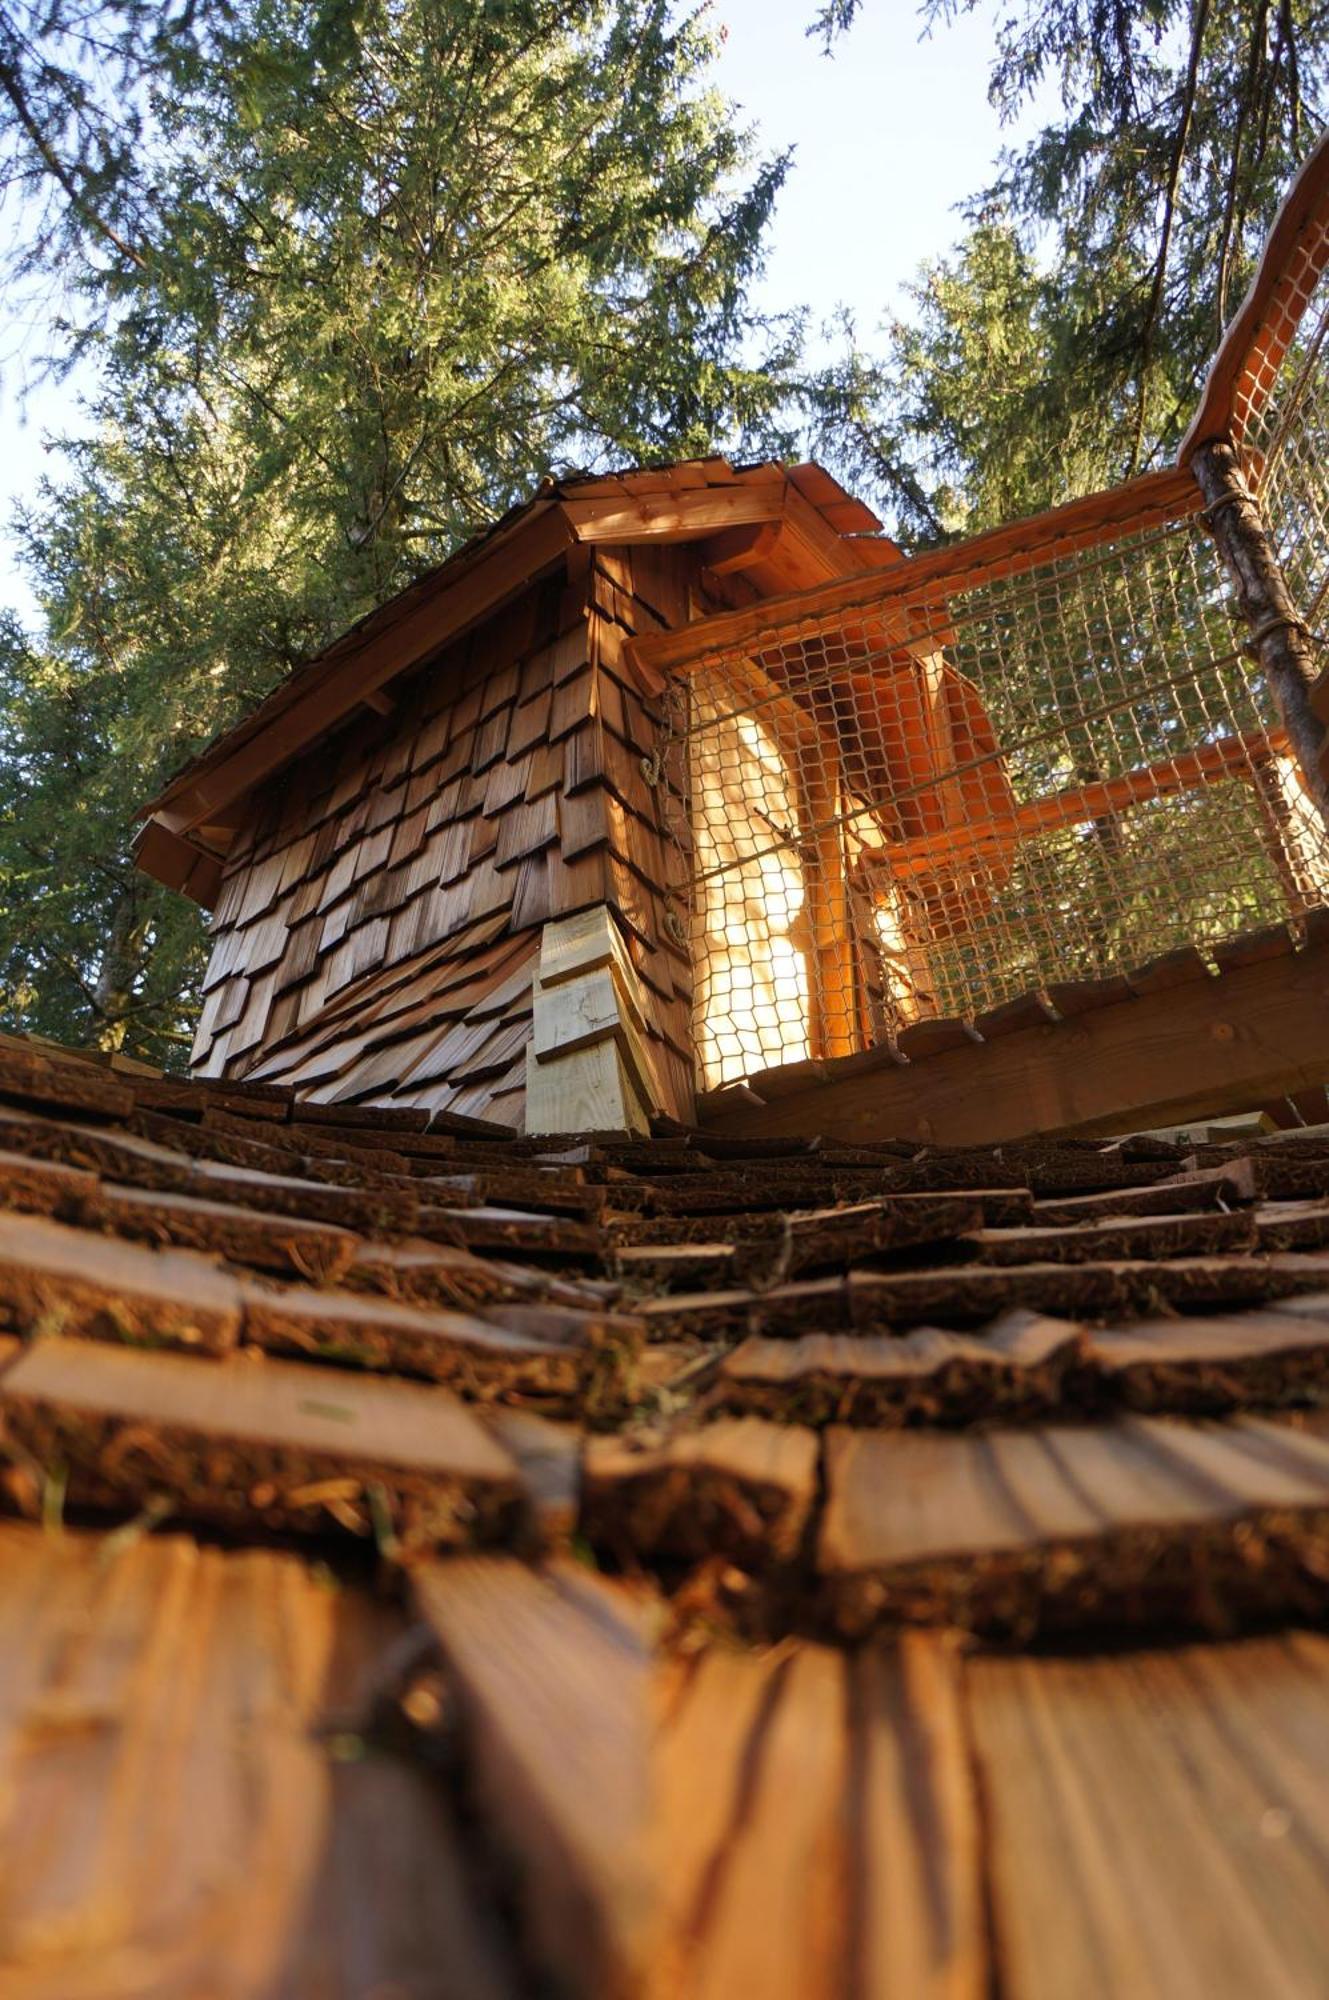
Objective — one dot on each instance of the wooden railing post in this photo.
(1279, 638)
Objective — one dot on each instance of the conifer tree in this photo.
(353, 275)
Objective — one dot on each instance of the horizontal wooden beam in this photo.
(669, 516)
(1154, 498)
(1214, 1045)
(1225, 757)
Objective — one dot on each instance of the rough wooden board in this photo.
(556, 1702)
(777, 1916)
(1017, 1367)
(1157, 1820)
(257, 1442)
(1025, 1367)
(739, 1487)
(473, 1355)
(425, 1273)
(1213, 1338)
(175, 1821)
(34, 1078)
(760, 1248)
(1291, 1225)
(704, 1740)
(1061, 1524)
(919, 1925)
(1206, 1233)
(1214, 1187)
(514, 1231)
(318, 1251)
(391, 1206)
(56, 1279)
(968, 1294)
(44, 1187)
(1211, 1044)
(818, 1828)
(118, 1154)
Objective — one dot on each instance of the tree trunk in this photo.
(1280, 640)
(121, 965)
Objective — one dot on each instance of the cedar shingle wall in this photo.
(380, 916)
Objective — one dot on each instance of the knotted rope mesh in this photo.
(1010, 779)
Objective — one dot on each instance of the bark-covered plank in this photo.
(740, 1487)
(257, 1444)
(1142, 1521)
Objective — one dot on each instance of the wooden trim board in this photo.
(1216, 1044)
(332, 695)
(1153, 499)
(1260, 335)
(587, 1064)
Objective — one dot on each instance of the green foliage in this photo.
(1063, 344)
(374, 268)
(351, 276)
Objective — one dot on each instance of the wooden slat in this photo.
(178, 1817)
(231, 1441)
(1065, 1525)
(555, 1697)
(1157, 1819)
(818, 1828)
(1227, 756)
(674, 516)
(1265, 326)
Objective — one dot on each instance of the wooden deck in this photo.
(1175, 1039)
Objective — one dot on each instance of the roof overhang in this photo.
(189, 825)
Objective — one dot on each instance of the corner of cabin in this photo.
(443, 857)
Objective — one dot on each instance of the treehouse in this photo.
(680, 788)
(457, 1541)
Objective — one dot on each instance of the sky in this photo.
(890, 133)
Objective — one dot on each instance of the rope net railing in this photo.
(1055, 776)
(1046, 756)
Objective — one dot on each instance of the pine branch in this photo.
(11, 84)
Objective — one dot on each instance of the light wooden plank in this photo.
(674, 516)
(1264, 328)
(556, 1702)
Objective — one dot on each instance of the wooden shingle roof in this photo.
(826, 533)
(447, 1562)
